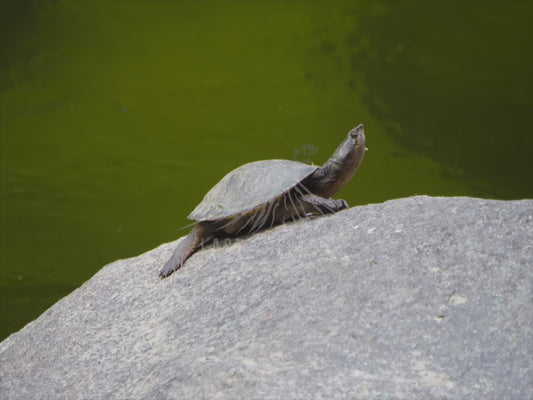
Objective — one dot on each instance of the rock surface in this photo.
(415, 298)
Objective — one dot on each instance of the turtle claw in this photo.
(176, 261)
(342, 204)
(170, 267)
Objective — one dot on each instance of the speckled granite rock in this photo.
(415, 298)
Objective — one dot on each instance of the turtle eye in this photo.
(357, 131)
(356, 135)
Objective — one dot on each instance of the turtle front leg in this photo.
(186, 248)
(313, 203)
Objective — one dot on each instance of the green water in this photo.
(117, 116)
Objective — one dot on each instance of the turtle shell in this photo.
(249, 186)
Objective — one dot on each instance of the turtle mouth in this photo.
(360, 140)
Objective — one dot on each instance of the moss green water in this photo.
(118, 116)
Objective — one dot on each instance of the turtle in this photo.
(266, 193)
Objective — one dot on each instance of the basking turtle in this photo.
(266, 193)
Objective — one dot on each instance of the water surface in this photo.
(118, 116)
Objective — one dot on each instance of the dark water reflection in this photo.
(117, 117)
(455, 85)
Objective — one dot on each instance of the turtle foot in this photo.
(172, 265)
(341, 204)
(314, 203)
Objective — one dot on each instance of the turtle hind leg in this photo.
(187, 246)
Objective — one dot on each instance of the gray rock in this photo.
(416, 298)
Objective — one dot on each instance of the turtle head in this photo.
(342, 166)
(351, 152)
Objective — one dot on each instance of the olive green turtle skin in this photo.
(267, 193)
